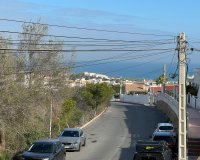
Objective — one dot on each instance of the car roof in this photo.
(72, 129)
(47, 141)
(163, 133)
(165, 124)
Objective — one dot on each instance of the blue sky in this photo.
(144, 16)
(170, 16)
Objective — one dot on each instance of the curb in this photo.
(85, 125)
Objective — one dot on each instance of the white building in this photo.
(96, 75)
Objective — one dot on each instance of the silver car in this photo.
(73, 138)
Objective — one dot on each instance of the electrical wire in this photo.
(88, 29)
(84, 50)
(83, 65)
(130, 66)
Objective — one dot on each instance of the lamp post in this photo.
(51, 115)
(52, 90)
(195, 101)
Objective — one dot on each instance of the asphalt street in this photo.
(113, 135)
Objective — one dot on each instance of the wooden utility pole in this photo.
(182, 146)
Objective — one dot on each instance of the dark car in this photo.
(152, 150)
(45, 150)
(73, 138)
(168, 137)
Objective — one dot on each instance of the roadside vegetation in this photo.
(33, 81)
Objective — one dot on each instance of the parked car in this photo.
(73, 138)
(45, 150)
(152, 150)
(168, 137)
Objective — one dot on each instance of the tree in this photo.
(96, 94)
(160, 79)
(70, 114)
(193, 90)
(116, 90)
(24, 111)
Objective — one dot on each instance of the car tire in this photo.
(79, 148)
(84, 144)
(64, 158)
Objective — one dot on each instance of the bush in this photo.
(5, 156)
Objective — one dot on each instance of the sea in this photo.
(140, 70)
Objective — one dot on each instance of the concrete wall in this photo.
(197, 76)
(193, 101)
(169, 106)
(140, 99)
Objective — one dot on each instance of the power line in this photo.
(116, 58)
(129, 67)
(86, 44)
(89, 29)
(69, 37)
(124, 57)
(95, 41)
(79, 66)
(86, 50)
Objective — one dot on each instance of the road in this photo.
(113, 135)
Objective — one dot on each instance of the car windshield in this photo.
(166, 128)
(70, 134)
(41, 148)
(163, 138)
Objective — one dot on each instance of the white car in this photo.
(165, 127)
(73, 138)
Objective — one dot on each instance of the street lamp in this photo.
(195, 101)
(51, 115)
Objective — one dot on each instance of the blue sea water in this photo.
(132, 69)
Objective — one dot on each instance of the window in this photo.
(166, 128)
(58, 145)
(70, 134)
(41, 148)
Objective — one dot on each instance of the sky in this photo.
(139, 16)
(170, 16)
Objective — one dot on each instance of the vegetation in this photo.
(160, 79)
(96, 94)
(116, 91)
(192, 90)
(31, 81)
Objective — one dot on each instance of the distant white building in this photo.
(96, 75)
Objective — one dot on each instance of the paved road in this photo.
(112, 136)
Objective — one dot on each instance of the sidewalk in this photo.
(193, 122)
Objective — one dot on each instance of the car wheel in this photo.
(79, 148)
(84, 143)
(64, 157)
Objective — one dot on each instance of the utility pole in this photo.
(182, 146)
